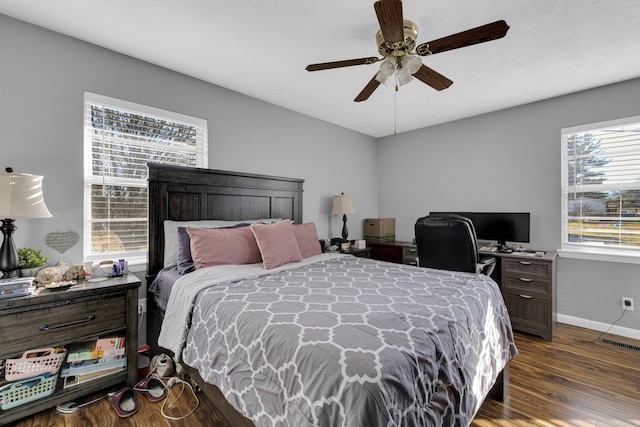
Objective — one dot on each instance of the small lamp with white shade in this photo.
(343, 205)
(20, 197)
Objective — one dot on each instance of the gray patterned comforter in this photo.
(352, 342)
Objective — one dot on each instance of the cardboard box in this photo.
(380, 229)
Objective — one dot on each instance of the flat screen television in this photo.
(500, 226)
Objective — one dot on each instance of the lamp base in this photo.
(9, 261)
(345, 231)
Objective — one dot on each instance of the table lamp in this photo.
(20, 197)
(343, 205)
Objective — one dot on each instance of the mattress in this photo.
(162, 285)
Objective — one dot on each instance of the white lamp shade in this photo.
(342, 205)
(21, 196)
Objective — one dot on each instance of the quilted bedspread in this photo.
(352, 342)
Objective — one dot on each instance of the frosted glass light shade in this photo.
(21, 196)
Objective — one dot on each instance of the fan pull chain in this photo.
(395, 107)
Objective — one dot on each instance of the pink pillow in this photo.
(277, 243)
(307, 238)
(218, 246)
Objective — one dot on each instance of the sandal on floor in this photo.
(152, 387)
(125, 402)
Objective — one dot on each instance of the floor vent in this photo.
(620, 344)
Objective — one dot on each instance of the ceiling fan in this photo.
(396, 41)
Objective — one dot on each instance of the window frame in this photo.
(200, 153)
(580, 250)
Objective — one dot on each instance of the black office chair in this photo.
(448, 242)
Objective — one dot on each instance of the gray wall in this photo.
(510, 160)
(42, 80)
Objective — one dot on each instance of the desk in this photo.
(360, 253)
(528, 285)
(394, 251)
(527, 282)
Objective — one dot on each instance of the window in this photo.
(601, 188)
(120, 138)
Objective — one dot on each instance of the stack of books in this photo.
(15, 287)
(89, 360)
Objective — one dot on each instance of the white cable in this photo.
(172, 381)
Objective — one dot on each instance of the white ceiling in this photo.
(261, 47)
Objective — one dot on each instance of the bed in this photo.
(325, 339)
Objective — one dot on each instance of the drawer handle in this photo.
(526, 296)
(64, 325)
(413, 250)
(525, 262)
(524, 279)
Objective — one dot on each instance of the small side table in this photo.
(361, 253)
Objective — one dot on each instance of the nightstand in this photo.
(361, 253)
(393, 251)
(58, 318)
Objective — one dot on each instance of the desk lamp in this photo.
(20, 197)
(343, 205)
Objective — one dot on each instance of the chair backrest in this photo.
(446, 242)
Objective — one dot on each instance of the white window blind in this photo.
(120, 138)
(601, 187)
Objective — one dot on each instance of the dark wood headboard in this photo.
(188, 194)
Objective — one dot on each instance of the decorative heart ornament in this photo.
(62, 241)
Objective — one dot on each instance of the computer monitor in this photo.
(502, 226)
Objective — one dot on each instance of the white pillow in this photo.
(171, 233)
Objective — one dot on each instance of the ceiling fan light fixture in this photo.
(381, 78)
(411, 63)
(387, 68)
(404, 76)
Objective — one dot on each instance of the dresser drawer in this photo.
(526, 266)
(55, 323)
(527, 312)
(526, 283)
(386, 253)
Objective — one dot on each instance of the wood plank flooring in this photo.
(572, 381)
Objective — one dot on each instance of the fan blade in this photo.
(389, 13)
(493, 31)
(368, 90)
(339, 64)
(432, 78)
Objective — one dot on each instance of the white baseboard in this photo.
(599, 326)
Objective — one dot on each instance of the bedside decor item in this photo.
(51, 274)
(61, 241)
(20, 197)
(30, 260)
(343, 205)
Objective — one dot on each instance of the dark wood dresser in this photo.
(394, 251)
(57, 318)
(529, 289)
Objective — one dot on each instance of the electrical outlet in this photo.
(142, 306)
(627, 303)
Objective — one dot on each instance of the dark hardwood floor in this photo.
(572, 381)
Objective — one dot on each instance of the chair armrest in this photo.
(486, 265)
